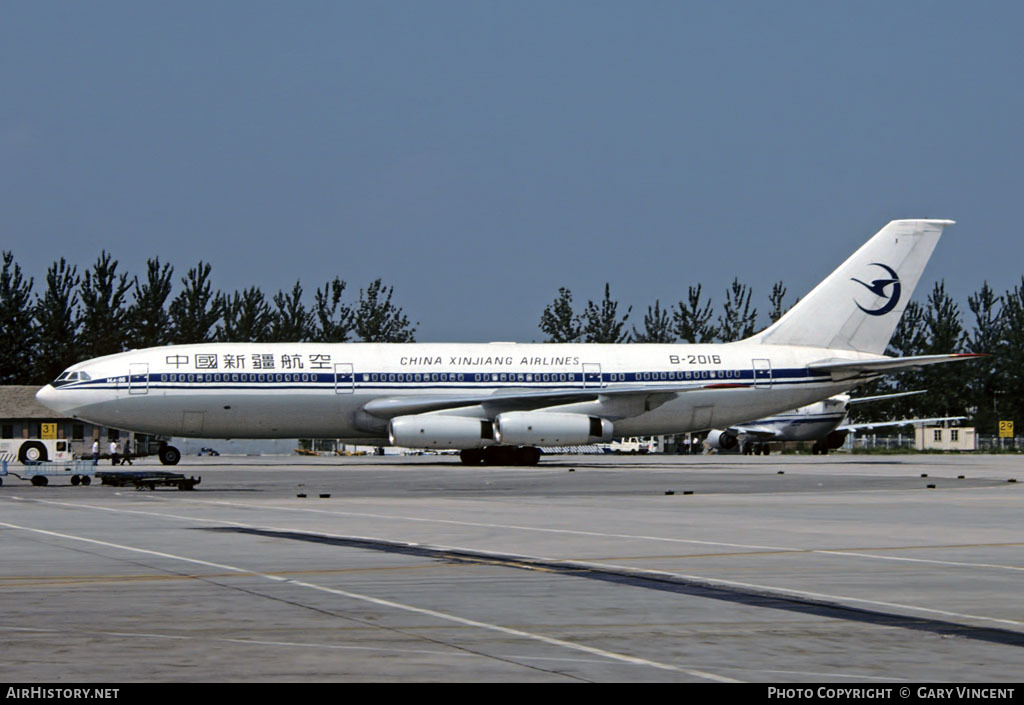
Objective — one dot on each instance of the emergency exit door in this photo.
(344, 378)
(138, 378)
(762, 374)
(592, 375)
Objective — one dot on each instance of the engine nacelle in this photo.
(721, 440)
(540, 428)
(429, 431)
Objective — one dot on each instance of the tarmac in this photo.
(867, 569)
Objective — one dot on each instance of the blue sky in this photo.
(479, 155)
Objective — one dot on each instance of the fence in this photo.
(995, 443)
(985, 444)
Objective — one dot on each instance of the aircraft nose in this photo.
(48, 397)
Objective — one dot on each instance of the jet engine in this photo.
(540, 428)
(429, 431)
(721, 440)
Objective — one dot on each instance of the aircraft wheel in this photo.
(528, 456)
(169, 455)
(766, 449)
(499, 455)
(471, 456)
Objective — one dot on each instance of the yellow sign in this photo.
(48, 431)
(1006, 429)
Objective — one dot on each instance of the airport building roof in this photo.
(19, 402)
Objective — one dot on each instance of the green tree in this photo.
(103, 295)
(692, 320)
(944, 333)
(149, 324)
(985, 337)
(560, 322)
(601, 322)
(18, 343)
(196, 309)
(378, 320)
(333, 321)
(657, 326)
(245, 317)
(56, 314)
(1010, 401)
(292, 322)
(739, 319)
(908, 339)
(775, 300)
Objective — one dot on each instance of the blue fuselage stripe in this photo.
(451, 381)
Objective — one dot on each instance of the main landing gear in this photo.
(500, 455)
(756, 449)
(169, 455)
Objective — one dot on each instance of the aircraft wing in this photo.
(848, 369)
(902, 422)
(520, 400)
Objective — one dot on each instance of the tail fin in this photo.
(858, 306)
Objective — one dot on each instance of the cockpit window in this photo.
(68, 376)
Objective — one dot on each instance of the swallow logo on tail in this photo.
(878, 287)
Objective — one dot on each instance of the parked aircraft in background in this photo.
(821, 422)
(499, 402)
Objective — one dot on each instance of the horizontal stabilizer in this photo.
(847, 369)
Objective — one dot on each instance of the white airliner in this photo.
(499, 402)
(821, 422)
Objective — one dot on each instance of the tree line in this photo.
(986, 390)
(101, 311)
(689, 321)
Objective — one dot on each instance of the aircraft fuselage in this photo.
(321, 390)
